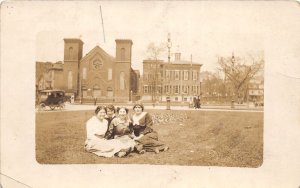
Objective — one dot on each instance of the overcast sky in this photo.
(203, 29)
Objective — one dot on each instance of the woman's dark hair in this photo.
(119, 108)
(100, 108)
(111, 107)
(138, 104)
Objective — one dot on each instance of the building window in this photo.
(159, 89)
(109, 92)
(195, 75)
(177, 75)
(176, 98)
(186, 75)
(96, 91)
(97, 64)
(145, 89)
(167, 89)
(109, 74)
(184, 89)
(84, 73)
(145, 77)
(176, 90)
(70, 80)
(122, 81)
(167, 74)
(122, 54)
(71, 53)
(194, 89)
(158, 76)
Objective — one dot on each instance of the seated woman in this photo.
(144, 135)
(119, 128)
(110, 115)
(96, 127)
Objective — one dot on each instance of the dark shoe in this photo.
(142, 151)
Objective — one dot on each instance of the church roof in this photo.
(95, 49)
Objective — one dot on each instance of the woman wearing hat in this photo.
(144, 135)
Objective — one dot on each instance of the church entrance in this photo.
(96, 91)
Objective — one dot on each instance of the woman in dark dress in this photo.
(145, 137)
(119, 128)
(110, 115)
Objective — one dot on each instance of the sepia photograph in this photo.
(178, 93)
(174, 97)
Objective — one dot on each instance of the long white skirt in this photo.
(108, 148)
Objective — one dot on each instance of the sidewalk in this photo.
(76, 107)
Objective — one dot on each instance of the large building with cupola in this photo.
(178, 80)
(95, 75)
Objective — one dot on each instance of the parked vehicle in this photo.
(53, 99)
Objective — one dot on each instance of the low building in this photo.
(256, 89)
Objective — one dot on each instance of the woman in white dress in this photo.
(96, 128)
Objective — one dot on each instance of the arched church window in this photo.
(122, 54)
(84, 73)
(109, 74)
(71, 53)
(70, 80)
(122, 81)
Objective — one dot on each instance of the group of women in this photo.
(112, 132)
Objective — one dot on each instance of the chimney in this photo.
(177, 56)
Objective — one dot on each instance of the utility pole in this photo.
(169, 45)
(155, 80)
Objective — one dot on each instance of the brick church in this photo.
(96, 75)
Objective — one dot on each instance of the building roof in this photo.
(73, 40)
(185, 62)
(180, 62)
(152, 60)
(123, 40)
(100, 49)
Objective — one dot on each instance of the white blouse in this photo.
(136, 118)
(95, 127)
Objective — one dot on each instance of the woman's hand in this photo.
(137, 138)
(136, 123)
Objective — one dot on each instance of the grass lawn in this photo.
(206, 138)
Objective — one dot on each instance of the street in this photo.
(77, 107)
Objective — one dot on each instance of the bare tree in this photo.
(154, 52)
(239, 71)
(213, 86)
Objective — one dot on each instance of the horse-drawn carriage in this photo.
(53, 99)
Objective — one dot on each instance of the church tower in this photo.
(123, 68)
(72, 56)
